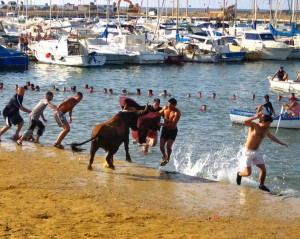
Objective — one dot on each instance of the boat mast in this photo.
(147, 11)
(235, 15)
(177, 14)
(223, 25)
(173, 9)
(50, 15)
(186, 10)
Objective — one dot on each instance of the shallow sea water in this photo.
(207, 144)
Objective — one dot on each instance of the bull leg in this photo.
(126, 143)
(109, 160)
(94, 147)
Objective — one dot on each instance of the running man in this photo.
(11, 113)
(59, 115)
(251, 151)
(34, 117)
(169, 129)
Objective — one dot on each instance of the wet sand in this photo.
(49, 193)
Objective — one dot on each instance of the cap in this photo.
(266, 96)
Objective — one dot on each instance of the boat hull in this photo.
(239, 116)
(281, 54)
(205, 58)
(13, 60)
(285, 85)
(147, 58)
(91, 60)
(232, 56)
(174, 59)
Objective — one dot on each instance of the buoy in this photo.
(48, 55)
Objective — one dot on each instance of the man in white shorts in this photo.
(251, 152)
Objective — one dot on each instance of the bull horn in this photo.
(144, 110)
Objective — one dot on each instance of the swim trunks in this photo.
(60, 118)
(168, 133)
(249, 156)
(12, 119)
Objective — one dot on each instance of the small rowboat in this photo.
(238, 117)
(286, 85)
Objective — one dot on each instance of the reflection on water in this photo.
(207, 144)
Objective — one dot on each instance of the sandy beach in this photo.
(49, 193)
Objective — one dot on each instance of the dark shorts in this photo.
(12, 119)
(168, 133)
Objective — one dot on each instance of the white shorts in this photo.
(249, 156)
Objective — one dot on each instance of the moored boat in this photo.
(239, 116)
(13, 60)
(285, 85)
(68, 51)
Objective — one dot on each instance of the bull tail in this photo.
(75, 148)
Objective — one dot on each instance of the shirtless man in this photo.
(21, 42)
(169, 129)
(59, 116)
(251, 152)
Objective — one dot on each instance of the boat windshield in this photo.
(267, 37)
(262, 36)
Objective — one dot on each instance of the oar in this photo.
(262, 81)
(279, 119)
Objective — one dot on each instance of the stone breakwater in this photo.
(182, 14)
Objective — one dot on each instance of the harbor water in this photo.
(207, 145)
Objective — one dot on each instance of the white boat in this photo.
(225, 46)
(239, 116)
(136, 45)
(114, 54)
(265, 43)
(285, 85)
(192, 53)
(69, 51)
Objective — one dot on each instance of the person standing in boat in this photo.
(267, 108)
(21, 42)
(281, 74)
(252, 153)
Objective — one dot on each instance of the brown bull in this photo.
(110, 135)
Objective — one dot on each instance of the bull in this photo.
(110, 135)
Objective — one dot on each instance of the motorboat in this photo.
(265, 43)
(13, 60)
(239, 117)
(114, 54)
(68, 50)
(136, 45)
